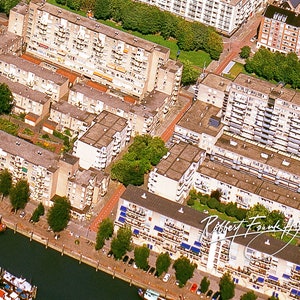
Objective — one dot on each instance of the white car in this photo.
(166, 277)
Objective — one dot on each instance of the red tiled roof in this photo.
(72, 77)
(31, 59)
(129, 99)
(97, 86)
(31, 117)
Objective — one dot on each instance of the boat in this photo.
(12, 287)
(149, 294)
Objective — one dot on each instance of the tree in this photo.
(189, 74)
(204, 284)
(248, 296)
(163, 263)
(39, 211)
(184, 269)
(122, 242)
(216, 194)
(5, 182)
(102, 9)
(105, 231)
(19, 194)
(226, 286)
(141, 255)
(245, 52)
(6, 99)
(59, 214)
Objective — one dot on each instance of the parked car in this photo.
(110, 253)
(166, 277)
(216, 296)
(194, 288)
(125, 259)
(152, 270)
(131, 261)
(209, 294)
(22, 214)
(199, 291)
(177, 282)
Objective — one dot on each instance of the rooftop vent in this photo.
(233, 143)
(267, 242)
(285, 163)
(144, 196)
(264, 155)
(180, 210)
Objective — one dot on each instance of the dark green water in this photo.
(58, 277)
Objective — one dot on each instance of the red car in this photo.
(194, 288)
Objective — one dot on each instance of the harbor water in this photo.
(58, 277)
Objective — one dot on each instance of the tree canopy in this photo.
(184, 269)
(144, 152)
(163, 263)
(105, 231)
(59, 214)
(19, 194)
(122, 242)
(6, 99)
(248, 296)
(275, 66)
(5, 182)
(226, 286)
(141, 255)
(39, 211)
(204, 284)
(245, 52)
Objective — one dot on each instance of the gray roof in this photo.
(196, 219)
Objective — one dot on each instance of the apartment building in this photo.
(256, 261)
(280, 29)
(103, 141)
(225, 16)
(114, 58)
(143, 117)
(263, 112)
(176, 171)
(27, 100)
(33, 76)
(10, 43)
(201, 125)
(69, 117)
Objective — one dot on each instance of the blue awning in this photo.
(286, 276)
(196, 243)
(196, 250)
(123, 208)
(297, 268)
(123, 214)
(273, 278)
(294, 292)
(260, 279)
(150, 246)
(186, 246)
(121, 219)
(136, 231)
(157, 228)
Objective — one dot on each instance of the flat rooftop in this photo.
(101, 134)
(31, 153)
(265, 87)
(28, 66)
(250, 183)
(197, 119)
(24, 91)
(179, 160)
(264, 155)
(216, 82)
(101, 28)
(194, 218)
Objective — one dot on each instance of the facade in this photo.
(102, 141)
(114, 58)
(256, 261)
(280, 30)
(27, 100)
(263, 112)
(33, 76)
(69, 117)
(176, 171)
(10, 43)
(224, 16)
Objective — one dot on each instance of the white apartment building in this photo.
(201, 125)
(27, 100)
(176, 171)
(69, 117)
(33, 76)
(225, 16)
(263, 112)
(102, 142)
(114, 58)
(257, 261)
(142, 117)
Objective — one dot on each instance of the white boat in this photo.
(150, 295)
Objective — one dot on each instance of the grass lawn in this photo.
(199, 59)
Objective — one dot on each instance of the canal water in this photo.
(58, 277)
